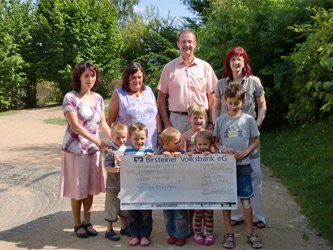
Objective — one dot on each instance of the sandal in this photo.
(198, 239)
(226, 241)
(180, 242)
(259, 224)
(144, 242)
(134, 241)
(209, 240)
(236, 222)
(172, 240)
(91, 233)
(81, 235)
(253, 242)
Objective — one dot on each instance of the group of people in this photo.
(203, 116)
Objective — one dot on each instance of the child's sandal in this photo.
(253, 242)
(209, 240)
(134, 241)
(198, 239)
(226, 241)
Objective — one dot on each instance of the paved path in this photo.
(32, 217)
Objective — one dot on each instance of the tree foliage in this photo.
(151, 41)
(68, 32)
(262, 28)
(125, 11)
(312, 62)
(15, 24)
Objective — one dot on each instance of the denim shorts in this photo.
(244, 186)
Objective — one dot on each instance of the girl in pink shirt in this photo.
(197, 117)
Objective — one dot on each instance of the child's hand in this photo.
(189, 153)
(176, 154)
(166, 153)
(240, 155)
(227, 150)
(149, 154)
(118, 158)
(206, 153)
(112, 170)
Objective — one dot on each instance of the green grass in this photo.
(302, 159)
(55, 109)
(59, 121)
(12, 112)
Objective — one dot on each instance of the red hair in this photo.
(237, 51)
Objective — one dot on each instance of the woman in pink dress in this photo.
(81, 174)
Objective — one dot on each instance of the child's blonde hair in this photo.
(169, 133)
(197, 109)
(118, 127)
(205, 134)
(234, 90)
(138, 126)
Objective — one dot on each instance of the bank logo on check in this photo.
(138, 159)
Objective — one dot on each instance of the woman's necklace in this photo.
(137, 94)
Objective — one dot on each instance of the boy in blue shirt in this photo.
(140, 222)
(234, 131)
(175, 220)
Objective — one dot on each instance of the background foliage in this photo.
(289, 45)
(263, 28)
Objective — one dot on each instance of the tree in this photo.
(152, 42)
(125, 11)
(262, 28)
(312, 76)
(68, 32)
(15, 23)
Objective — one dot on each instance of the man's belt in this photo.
(180, 113)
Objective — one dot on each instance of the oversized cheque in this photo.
(185, 182)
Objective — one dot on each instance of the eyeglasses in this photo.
(187, 42)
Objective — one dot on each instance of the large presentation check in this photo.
(185, 182)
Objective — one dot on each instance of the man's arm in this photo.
(161, 102)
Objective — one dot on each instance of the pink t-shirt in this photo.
(187, 85)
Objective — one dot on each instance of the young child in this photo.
(112, 202)
(140, 222)
(234, 131)
(197, 117)
(203, 142)
(175, 220)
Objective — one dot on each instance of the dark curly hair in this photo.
(78, 71)
(235, 90)
(131, 69)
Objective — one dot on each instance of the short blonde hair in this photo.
(205, 134)
(138, 126)
(118, 127)
(169, 133)
(197, 109)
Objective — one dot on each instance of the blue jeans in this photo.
(176, 223)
